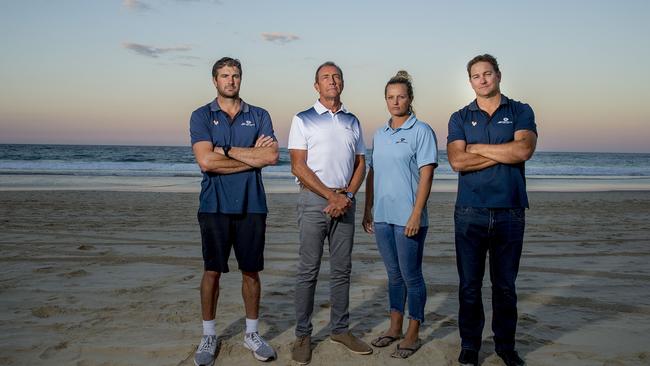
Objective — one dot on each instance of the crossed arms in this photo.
(465, 157)
(212, 159)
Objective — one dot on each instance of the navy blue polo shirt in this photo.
(235, 193)
(501, 185)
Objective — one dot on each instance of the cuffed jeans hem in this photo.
(397, 311)
(419, 320)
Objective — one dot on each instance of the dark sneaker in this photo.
(301, 350)
(468, 357)
(204, 355)
(353, 343)
(260, 348)
(511, 358)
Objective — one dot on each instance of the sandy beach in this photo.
(111, 278)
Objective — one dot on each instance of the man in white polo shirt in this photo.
(327, 158)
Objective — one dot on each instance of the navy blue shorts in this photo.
(220, 232)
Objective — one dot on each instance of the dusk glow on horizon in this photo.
(132, 71)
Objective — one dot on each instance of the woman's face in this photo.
(397, 100)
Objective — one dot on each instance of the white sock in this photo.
(251, 325)
(209, 327)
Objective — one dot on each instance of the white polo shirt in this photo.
(331, 139)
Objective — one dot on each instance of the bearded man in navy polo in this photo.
(232, 141)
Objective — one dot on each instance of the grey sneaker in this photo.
(204, 355)
(260, 348)
(301, 350)
(353, 343)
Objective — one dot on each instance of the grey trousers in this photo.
(314, 227)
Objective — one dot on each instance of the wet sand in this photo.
(111, 278)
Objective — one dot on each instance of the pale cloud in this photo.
(136, 5)
(281, 38)
(151, 51)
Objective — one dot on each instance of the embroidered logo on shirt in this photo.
(401, 141)
(248, 124)
(505, 121)
(474, 123)
(216, 122)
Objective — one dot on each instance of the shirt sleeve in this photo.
(297, 139)
(360, 148)
(266, 127)
(426, 150)
(455, 128)
(199, 127)
(525, 119)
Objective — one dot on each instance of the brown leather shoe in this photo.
(353, 343)
(301, 350)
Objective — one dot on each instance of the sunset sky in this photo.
(131, 72)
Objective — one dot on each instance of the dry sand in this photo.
(111, 278)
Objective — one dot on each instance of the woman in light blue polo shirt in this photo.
(404, 155)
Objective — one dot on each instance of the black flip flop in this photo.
(406, 352)
(381, 341)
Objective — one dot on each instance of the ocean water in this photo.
(178, 161)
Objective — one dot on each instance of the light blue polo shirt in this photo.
(397, 156)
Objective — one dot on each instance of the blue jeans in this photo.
(501, 233)
(402, 257)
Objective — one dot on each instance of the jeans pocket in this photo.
(462, 212)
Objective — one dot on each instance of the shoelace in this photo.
(255, 338)
(207, 344)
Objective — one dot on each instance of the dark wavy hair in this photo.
(226, 61)
(483, 58)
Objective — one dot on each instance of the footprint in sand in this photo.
(73, 274)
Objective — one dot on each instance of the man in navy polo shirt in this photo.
(489, 141)
(232, 141)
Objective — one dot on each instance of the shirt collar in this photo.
(473, 106)
(405, 126)
(320, 108)
(214, 106)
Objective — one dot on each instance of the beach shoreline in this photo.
(48, 182)
(111, 278)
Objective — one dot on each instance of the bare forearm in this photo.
(513, 152)
(424, 189)
(358, 174)
(509, 153)
(216, 163)
(308, 178)
(370, 190)
(257, 157)
(466, 162)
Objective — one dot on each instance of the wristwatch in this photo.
(349, 195)
(226, 149)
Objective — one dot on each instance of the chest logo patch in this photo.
(401, 141)
(505, 121)
(216, 122)
(474, 123)
(248, 124)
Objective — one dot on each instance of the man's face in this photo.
(227, 81)
(330, 82)
(484, 80)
